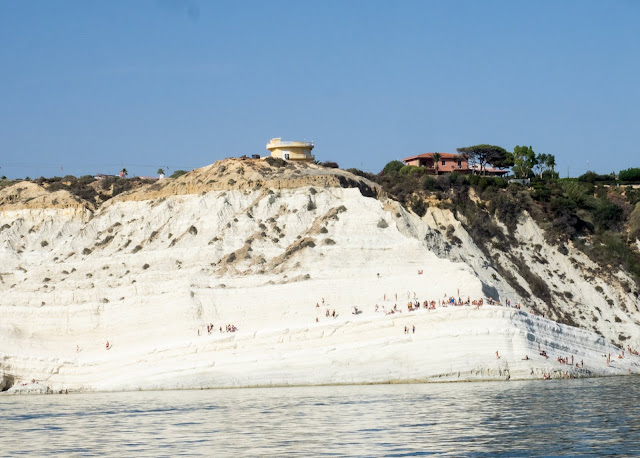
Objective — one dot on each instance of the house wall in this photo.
(450, 164)
(295, 154)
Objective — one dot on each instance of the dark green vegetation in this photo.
(597, 213)
(487, 154)
(177, 173)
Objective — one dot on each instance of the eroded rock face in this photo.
(31, 196)
(255, 246)
(253, 175)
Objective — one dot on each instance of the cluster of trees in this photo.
(524, 161)
(527, 164)
(631, 175)
(485, 155)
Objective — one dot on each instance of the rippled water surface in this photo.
(597, 416)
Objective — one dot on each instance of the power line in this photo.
(32, 166)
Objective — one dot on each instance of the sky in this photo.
(90, 87)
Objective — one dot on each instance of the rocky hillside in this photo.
(256, 245)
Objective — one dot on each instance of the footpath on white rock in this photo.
(224, 277)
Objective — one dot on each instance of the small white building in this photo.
(290, 151)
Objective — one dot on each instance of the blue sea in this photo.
(557, 417)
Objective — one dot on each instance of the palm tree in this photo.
(160, 172)
(124, 173)
(436, 161)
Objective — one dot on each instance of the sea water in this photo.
(575, 417)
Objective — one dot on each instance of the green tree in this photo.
(632, 175)
(524, 159)
(551, 162)
(486, 154)
(392, 167)
(436, 161)
(160, 172)
(541, 163)
(124, 173)
(506, 162)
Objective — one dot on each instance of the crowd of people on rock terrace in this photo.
(415, 304)
(566, 360)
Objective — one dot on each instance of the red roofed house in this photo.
(450, 163)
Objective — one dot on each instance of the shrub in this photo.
(634, 222)
(44, 243)
(455, 179)
(429, 183)
(506, 209)
(105, 183)
(450, 230)
(86, 251)
(360, 173)
(579, 193)
(275, 162)
(178, 173)
(382, 224)
(307, 244)
(485, 182)
(146, 266)
(607, 214)
(56, 186)
(392, 167)
(537, 285)
(193, 230)
(105, 241)
(592, 177)
(120, 185)
(411, 169)
(500, 182)
(419, 206)
(443, 182)
(329, 164)
(311, 205)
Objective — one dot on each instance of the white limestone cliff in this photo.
(258, 249)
